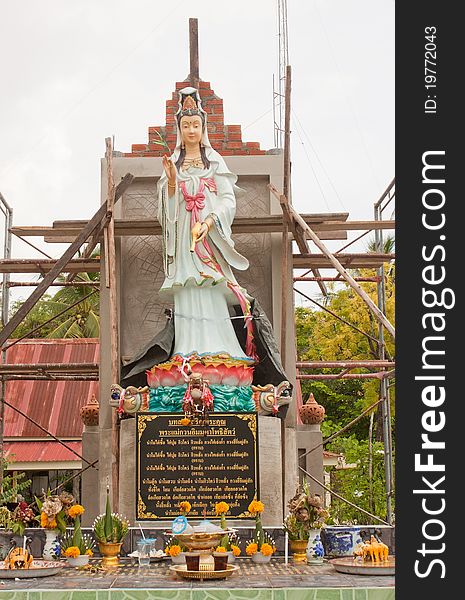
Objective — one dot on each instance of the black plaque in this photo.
(203, 464)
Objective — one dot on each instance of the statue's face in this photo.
(191, 129)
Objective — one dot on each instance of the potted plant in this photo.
(229, 542)
(262, 546)
(53, 518)
(303, 524)
(110, 530)
(77, 548)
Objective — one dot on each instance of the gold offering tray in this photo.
(205, 572)
(357, 567)
(38, 568)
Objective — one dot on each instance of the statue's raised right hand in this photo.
(170, 169)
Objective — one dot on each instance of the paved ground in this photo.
(275, 575)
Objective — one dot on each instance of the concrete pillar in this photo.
(90, 477)
(309, 436)
(270, 465)
(127, 472)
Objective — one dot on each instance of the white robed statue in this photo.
(203, 360)
(196, 208)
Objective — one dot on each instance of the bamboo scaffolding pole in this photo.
(54, 284)
(110, 272)
(45, 266)
(82, 368)
(51, 377)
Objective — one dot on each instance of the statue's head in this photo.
(191, 128)
(191, 122)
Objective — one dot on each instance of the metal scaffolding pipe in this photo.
(384, 389)
(346, 364)
(372, 279)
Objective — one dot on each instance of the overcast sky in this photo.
(74, 73)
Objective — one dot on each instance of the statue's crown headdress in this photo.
(189, 104)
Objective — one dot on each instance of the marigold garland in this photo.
(220, 549)
(235, 550)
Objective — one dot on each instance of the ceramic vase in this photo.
(110, 553)
(260, 558)
(299, 550)
(315, 550)
(51, 549)
(231, 557)
(78, 561)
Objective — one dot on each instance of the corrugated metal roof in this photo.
(53, 404)
(41, 451)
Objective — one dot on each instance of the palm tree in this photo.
(389, 244)
(84, 318)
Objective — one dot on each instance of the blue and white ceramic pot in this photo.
(341, 540)
(315, 550)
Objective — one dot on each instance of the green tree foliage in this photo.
(321, 337)
(12, 486)
(355, 483)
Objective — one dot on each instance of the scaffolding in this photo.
(301, 228)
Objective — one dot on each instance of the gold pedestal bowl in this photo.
(199, 541)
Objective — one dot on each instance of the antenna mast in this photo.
(280, 80)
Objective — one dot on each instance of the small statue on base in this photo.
(198, 400)
(19, 557)
(373, 550)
